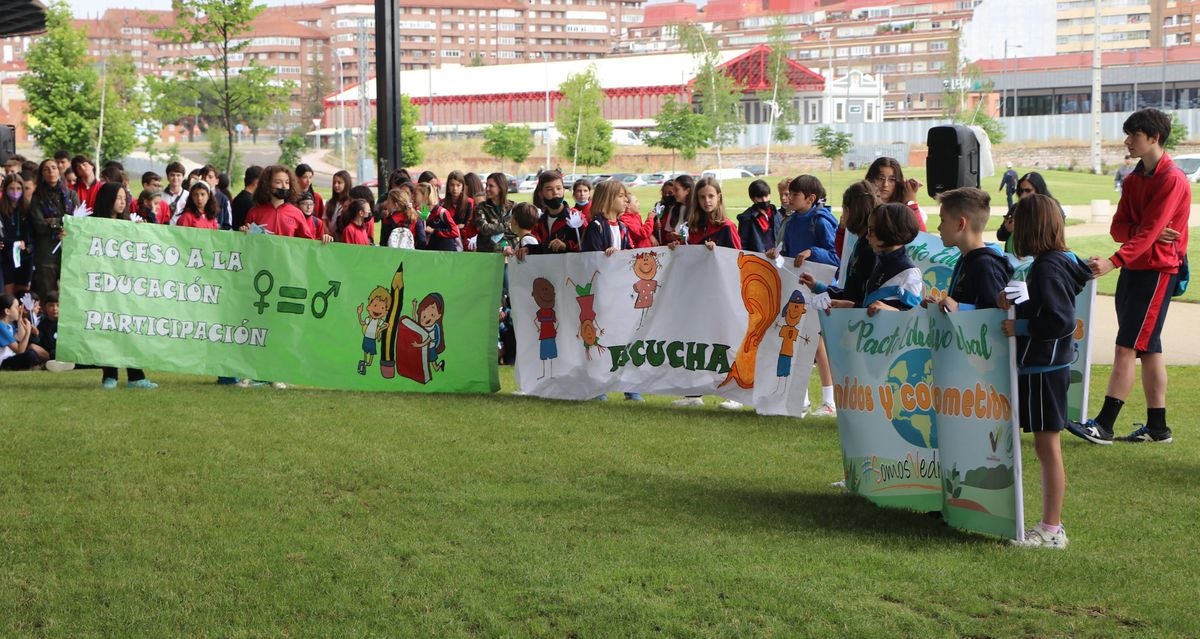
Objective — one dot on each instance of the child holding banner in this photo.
(273, 210)
(981, 271)
(111, 203)
(200, 212)
(858, 202)
(1044, 329)
(607, 233)
(708, 225)
(558, 228)
(810, 235)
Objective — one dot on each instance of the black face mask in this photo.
(553, 204)
(281, 193)
(762, 206)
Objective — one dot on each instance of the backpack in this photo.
(1181, 278)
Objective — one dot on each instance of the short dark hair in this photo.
(759, 188)
(808, 185)
(1037, 226)
(967, 202)
(1152, 122)
(361, 192)
(208, 168)
(581, 182)
(150, 176)
(894, 224)
(252, 174)
(303, 168)
(113, 174)
(176, 167)
(114, 163)
(62, 154)
(51, 298)
(526, 215)
(426, 176)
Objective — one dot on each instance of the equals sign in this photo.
(294, 293)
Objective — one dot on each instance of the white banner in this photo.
(684, 322)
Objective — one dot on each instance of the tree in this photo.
(781, 92)
(1179, 133)
(960, 77)
(316, 87)
(290, 148)
(584, 135)
(60, 87)
(222, 29)
(122, 101)
(832, 144)
(679, 128)
(218, 150)
(411, 138)
(719, 95)
(505, 142)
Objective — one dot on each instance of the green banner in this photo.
(281, 309)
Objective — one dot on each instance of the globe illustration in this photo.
(937, 280)
(912, 368)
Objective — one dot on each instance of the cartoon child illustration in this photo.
(645, 266)
(429, 314)
(792, 313)
(589, 333)
(547, 323)
(373, 326)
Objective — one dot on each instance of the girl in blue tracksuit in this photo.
(1045, 327)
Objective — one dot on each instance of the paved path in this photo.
(1180, 345)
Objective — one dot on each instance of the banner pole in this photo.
(1019, 489)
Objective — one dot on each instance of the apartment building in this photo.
(893, 42)
(1126, 24)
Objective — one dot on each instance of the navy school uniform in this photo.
(895, 281)
(598, 236)
(554, 227)
(723, 234)
(978, 278)
(756, 228)
(1045, 331)
(814, 231)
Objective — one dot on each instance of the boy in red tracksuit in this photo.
(1151, 223)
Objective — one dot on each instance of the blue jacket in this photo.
(813, 230)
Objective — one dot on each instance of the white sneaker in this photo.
(1037, 537)
(729, 404)
(55, 366)
(688, 401)
(520, 393)
(245, 382)
(804, 411)
(826, 410)
(278, 385)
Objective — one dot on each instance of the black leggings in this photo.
(135, 374)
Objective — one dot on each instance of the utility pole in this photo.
(387, 86)
(364, 171)
(1096, 86)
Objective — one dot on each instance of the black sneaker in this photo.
(1091, 431)
(1144, 434)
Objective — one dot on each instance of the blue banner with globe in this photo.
(925, 413)
(937, 261)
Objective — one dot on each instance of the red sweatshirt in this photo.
(286, 221)
(640, 231)
(1149, 204)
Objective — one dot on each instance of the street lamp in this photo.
(1004, 81)
(341, 102)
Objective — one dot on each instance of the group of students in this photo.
(881, 211)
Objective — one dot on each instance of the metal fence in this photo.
(1025, 128)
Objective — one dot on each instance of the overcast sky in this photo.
(93, 8)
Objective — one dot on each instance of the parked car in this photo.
(726, 174)
(1190, 165)
(528, 183)
(754, 169)
(629, 179)
(659, 178)
(514, 183)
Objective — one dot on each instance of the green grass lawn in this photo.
(1104, 246)
(1071, 188)
(199, 510)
